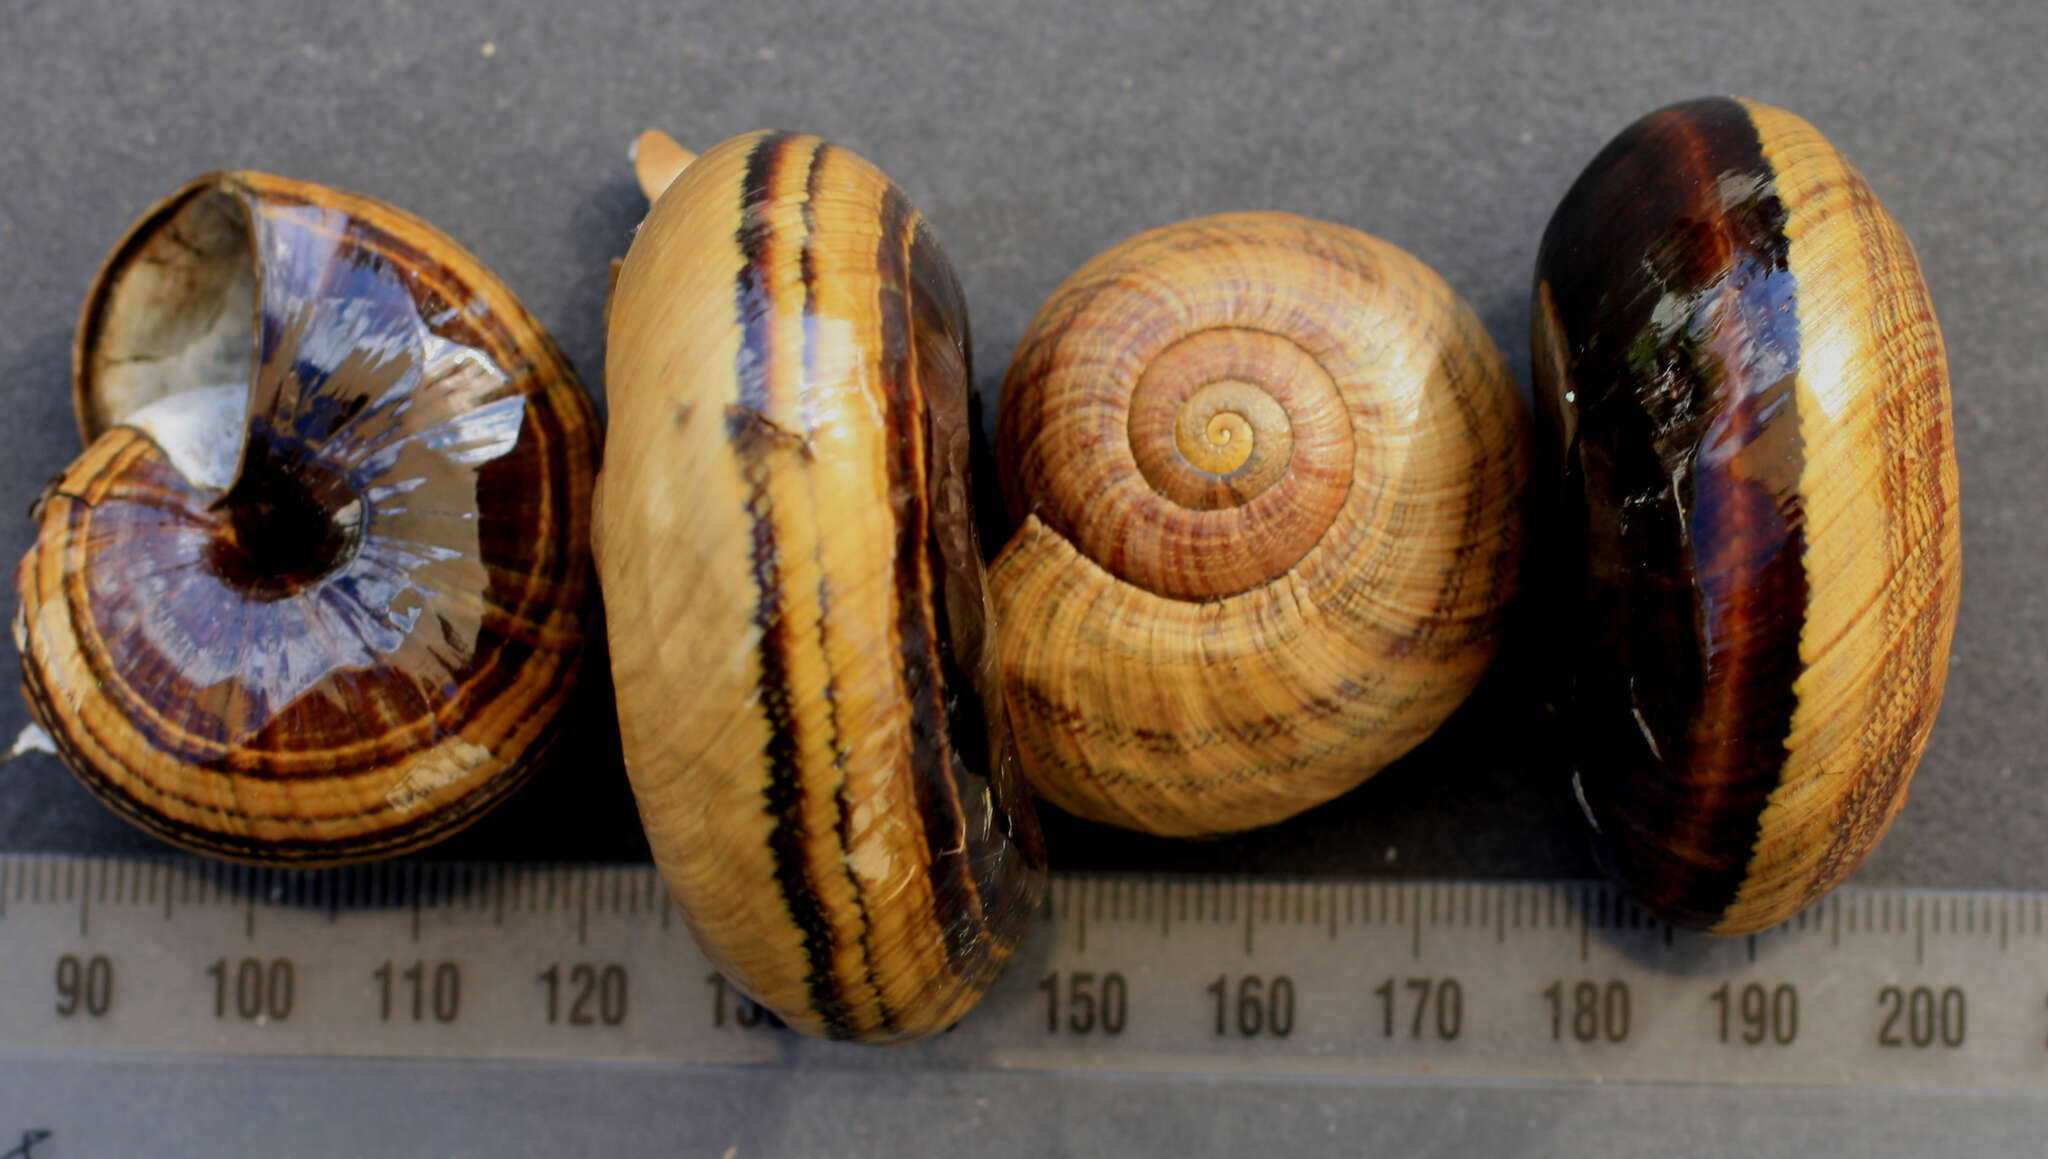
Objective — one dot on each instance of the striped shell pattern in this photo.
(799, 623)
(318, 586)
(1740, 368)
(1268, 473)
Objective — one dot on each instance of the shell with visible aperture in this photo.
(318, 586)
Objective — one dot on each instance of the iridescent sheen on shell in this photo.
(318, 585)
(1740, 368)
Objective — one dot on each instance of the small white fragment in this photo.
(1642, 722)
(1643, 726)
(199, 430)
(488, 50)
(32, 740)
(433, 771)
(1579, 791)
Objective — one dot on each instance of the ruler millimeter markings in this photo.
(1444, 979)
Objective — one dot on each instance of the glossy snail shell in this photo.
(1740, 366)
(1269, 473)
(318, 585)
(795, 597)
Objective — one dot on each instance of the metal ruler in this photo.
(1432, 980)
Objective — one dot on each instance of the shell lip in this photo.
(281, 531)
(237, 190)
(459, 383)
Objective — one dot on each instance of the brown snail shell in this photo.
(1269, 473)
(318, 585)
(795, 597)
(1740, 366)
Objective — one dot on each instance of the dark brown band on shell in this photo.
(1665, 271)
(332, 613)
(1735, 355)
(753, 444)
(863, 655)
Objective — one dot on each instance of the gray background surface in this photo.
(1034, 136)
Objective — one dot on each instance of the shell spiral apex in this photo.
(795, 595)
(1269, 474)
(1740, 368)
(318, 586)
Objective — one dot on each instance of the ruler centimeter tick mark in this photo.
(1439, 979)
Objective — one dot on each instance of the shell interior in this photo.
(176, 316)
(334, 499)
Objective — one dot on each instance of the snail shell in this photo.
(1269, 473)
(1736, 354)
(317, 586)
(794, 590)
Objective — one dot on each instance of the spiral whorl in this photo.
(1193, 366)
(1267, 471)
(317, 589)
